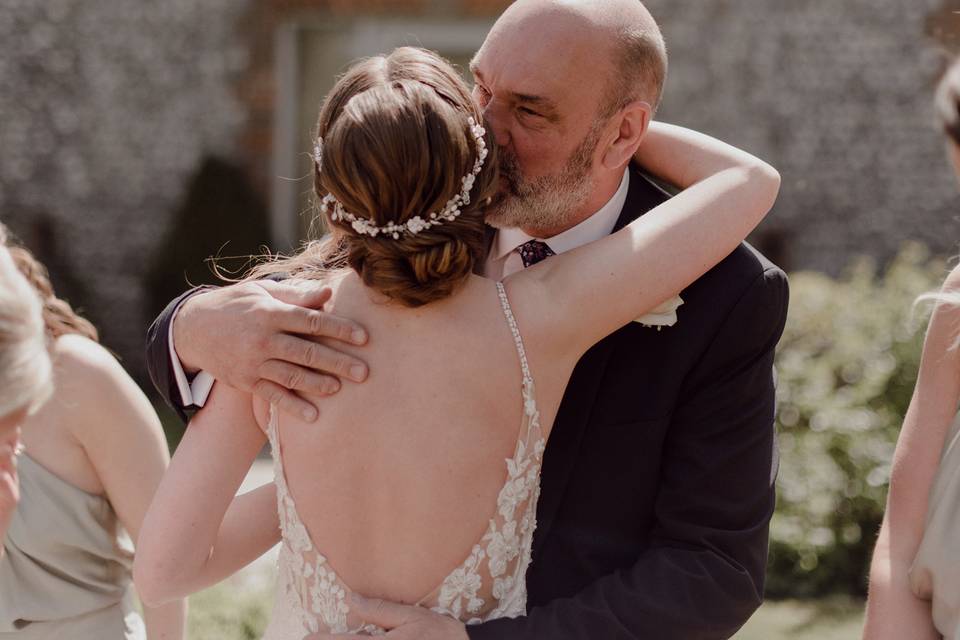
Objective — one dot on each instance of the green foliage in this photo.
(847, 365)
(235, 611)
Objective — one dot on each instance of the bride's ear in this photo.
(632, 124)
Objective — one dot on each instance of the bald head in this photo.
(603, 14)
(568, 88)
(623, 32)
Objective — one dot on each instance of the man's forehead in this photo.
(528, 73)
(542, 59)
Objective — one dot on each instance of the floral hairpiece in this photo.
(450, 212)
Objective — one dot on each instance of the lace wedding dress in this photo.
(490, 583)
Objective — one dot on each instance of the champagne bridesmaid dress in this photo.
(67, 568)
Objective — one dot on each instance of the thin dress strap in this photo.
(515, 330)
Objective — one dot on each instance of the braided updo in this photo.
(396, 145)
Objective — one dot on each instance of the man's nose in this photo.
(496, 121)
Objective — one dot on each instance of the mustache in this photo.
(510, 173)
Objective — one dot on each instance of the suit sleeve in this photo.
(159, 364)
(702, 575)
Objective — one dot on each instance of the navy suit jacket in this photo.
(658, 478)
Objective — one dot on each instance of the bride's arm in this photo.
(196, 532)
(579, 297)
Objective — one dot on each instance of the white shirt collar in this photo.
(597, 226)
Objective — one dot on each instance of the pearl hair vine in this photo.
(450, 212)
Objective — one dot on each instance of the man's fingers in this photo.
(382, 613)
(318, 357)
(302, 294)
(303, 315)
(287, 401)
(321, 324)
(298, 378)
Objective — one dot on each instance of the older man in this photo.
(657, 484)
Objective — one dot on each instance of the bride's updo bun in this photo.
(397, 144)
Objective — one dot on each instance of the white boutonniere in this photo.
(663, 316)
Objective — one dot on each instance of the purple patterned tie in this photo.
(533, 252)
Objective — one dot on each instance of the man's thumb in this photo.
(312, 295)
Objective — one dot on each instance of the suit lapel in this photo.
(580, 397)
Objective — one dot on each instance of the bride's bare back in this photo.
(399, 478)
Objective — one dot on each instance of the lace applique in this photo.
(458, 594)
(509, 537)
(489, 584)
(308, 584)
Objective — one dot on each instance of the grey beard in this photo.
(548, 202)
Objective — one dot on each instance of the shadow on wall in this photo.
(222, 217)
(45, 243)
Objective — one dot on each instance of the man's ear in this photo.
(633, 122)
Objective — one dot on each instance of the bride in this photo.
(420, 486)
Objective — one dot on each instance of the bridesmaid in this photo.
(915, 574)
(93, 458)
(24, 375)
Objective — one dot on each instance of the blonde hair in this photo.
(25, 368)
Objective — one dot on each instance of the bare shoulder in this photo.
(93, 383)
(942, 333)
(86, 367)
(952, 282)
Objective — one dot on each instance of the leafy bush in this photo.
(847, 365)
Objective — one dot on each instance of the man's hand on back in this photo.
(257, 337)
(403, 622)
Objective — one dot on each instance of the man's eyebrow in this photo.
(545, 104)
(540, 101)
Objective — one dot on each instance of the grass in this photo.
(830, 619)
(240, 612)
(217, 614)
(230, 612)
